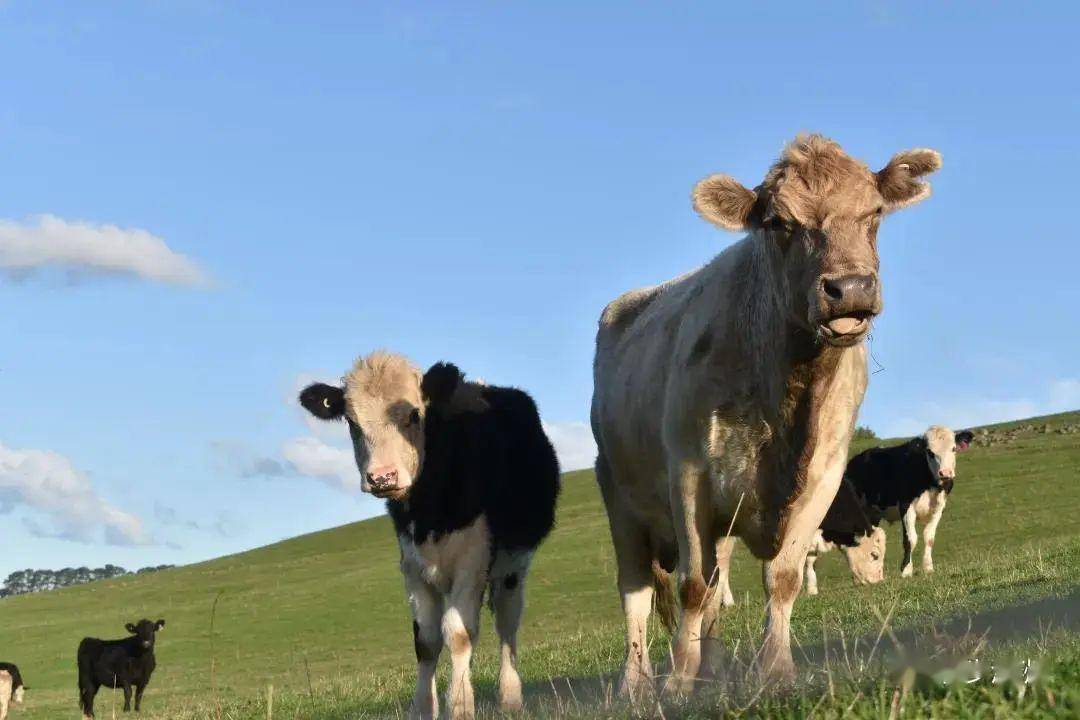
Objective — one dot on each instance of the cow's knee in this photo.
(693, 592)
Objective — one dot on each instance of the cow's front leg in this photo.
(127, 697)
(691, 506)
(138, 695)
(508, 602)
(427, 611)
(460, 627)
(929, 534)
(911, 539)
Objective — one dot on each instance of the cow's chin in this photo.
(845, 330)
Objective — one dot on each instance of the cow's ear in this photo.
(439, 383)
(724, 202)
(160, 624)
(323, 401)
(963, 439)
(130, 628)
(899, 183)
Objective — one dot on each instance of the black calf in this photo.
(126, 663)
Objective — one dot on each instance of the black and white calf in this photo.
(11, 687)
(911, 482)
(471, 482)
(126, 663)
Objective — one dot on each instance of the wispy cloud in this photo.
(961, 412)
(224, 524)
(573, 442)
(49, 484)
(331, 464)
(86, 248)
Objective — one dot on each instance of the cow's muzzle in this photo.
(848, 304)
(384, 483)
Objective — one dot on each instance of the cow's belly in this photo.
(462, 553)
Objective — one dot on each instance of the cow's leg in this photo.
(127, 696)
(460, 627)
(427, 613)
(697, 562)
(508, 602)
(5, 693)
(633, 557)
(719, 597)
(87, 691)
(929, 533)
(138, 694)
(811, 575)
(911, 539)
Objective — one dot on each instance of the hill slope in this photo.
(330, 605)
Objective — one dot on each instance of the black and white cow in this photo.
(853, 527)
(11, 687)
(910, 482)
(126, 663)
(470, 481)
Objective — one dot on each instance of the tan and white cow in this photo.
(727, 396)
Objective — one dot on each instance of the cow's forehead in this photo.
(940, 439)
(379, 382)
(815, 179)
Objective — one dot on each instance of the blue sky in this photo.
(203, 206)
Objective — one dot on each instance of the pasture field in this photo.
(323, 620)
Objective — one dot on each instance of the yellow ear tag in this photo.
(326, 403)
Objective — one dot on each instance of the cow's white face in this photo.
(382, 403)
(942, 444)
(867, 559)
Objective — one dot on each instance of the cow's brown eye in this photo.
(414, 417)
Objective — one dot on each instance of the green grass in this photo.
(323, 617)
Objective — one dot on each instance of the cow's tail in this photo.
(664, 600)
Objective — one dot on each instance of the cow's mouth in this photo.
(388, 491)
(846, 329)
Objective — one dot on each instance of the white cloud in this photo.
(1060, 396)
(574, 444)
(49, 241)
(333, 465)
(48, 483)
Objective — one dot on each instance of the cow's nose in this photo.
(849, 293)
(945, 474)
(382, 476)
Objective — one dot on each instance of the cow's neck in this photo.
(784, 360)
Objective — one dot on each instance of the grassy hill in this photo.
(323, 618)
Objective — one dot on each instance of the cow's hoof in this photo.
(907, 572)
(928, 569)
(678, 685)
(510, 693)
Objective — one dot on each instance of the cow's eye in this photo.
(414, 417)
(874, 556)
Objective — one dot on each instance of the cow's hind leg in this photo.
(634, 560)
(911, 539)
(507, 593)
(86, 700)
(811, 575)
(427, 613)
(719, 597)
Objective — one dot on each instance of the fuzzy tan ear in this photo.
(723, 201)
(898, 182)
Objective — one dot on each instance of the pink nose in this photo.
(382, 476)
(945, 473)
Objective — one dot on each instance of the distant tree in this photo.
(863, 432)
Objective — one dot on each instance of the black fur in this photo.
(848, 518)
(497, 462)
(892, 477)
(125, 663)
(323, 401)
(16, 677)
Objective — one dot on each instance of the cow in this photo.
(470, 482)
(12, 689)
(866, 558)
(910, 482)
(126, 663)
(726, 397)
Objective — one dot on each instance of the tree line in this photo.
(26, 581)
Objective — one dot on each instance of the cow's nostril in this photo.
(833, 289)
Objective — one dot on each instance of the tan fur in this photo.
(717, 404)
(5, 693)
